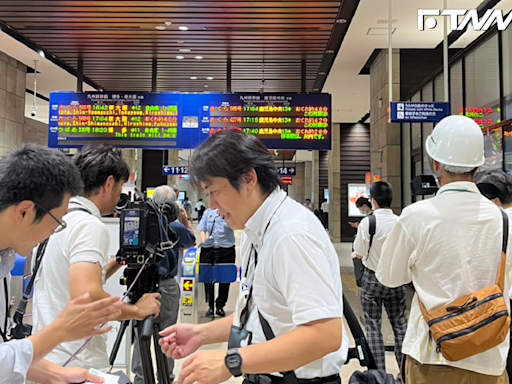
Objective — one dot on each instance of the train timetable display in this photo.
(184, 121)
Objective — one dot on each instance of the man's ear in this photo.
(20, 210)
(250, 179)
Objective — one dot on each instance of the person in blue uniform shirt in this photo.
(37, 184)
(218, 247)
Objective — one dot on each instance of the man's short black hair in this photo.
(496, 184)
(231, 154)
(382, 193)
(37, 174)
(363, 201)
(97, 162)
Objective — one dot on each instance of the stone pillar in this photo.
(13, 80)
(297, 189)
(334, 186)
(385, 137)
(130, 157)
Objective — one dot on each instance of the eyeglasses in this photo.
(61, 224)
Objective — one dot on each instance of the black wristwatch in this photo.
(233, 361)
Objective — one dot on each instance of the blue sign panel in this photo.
(184, 121)
(418, 112)
(287, 171)
(168, 170)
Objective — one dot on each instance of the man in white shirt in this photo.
(79, 261)
(373, 293)
(448, 246)
(36, 186)
(291, 285)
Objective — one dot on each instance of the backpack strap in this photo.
(500, 277)
(372, 229)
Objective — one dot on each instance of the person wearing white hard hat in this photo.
(449, 247)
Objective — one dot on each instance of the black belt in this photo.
(266, 379)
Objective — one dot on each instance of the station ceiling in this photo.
(192, 41)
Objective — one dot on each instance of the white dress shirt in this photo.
(16, 355)
(85, 240)
(385, 221)
(448, 246)
(297, 278)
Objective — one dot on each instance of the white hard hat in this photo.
(457, 141)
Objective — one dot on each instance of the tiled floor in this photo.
(352, 294)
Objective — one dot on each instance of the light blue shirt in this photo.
(221, 236)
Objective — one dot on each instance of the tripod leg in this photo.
(145, 356)
(162, 369)
(117, 343)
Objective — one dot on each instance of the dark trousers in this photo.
(217, 256)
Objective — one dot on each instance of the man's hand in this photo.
(205, 368)
(353, 225)
(76, 375)
(148, 305)
(180, 340)
(80, 317)
(359, 257)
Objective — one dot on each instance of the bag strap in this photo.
(500, 277)
(269, 335)
(373, 224)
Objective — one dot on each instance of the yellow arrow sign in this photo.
(188, 285)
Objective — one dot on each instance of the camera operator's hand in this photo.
(148, 305)
(80, 317)
(180, 340)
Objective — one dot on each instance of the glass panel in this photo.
(427, 129)
(507, 72)
(426, 94)
(439, 87)
(456, 88)
(416, 127)
(406, 164)
(482, 84)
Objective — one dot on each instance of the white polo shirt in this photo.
(448, 246)
(385, 221)
(297, 278)
(85, 240)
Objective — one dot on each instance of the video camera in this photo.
(145, 239)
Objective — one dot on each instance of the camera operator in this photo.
(169, 287)
(36, 186)
(290, 299)
(78, 261)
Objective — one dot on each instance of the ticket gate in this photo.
(193, 276)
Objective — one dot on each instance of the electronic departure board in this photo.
(184, 121)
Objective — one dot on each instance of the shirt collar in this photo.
(383, 211)
(255, 226)
(461, 185)
(86, 203)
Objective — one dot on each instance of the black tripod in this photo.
(144, 330)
